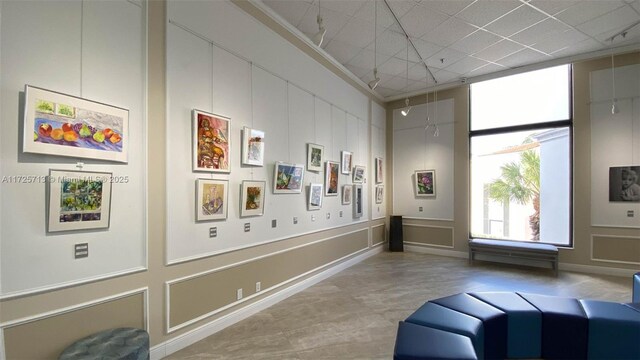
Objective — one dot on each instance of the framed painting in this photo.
(624, 183)
(346, 157)
(252, 147)
(332, 171)
(425, 183)
(211, 142)
(315, 157)
(78, 200)
(66, 125)
(357, 201)
(211, 199)
(315, 197)
(379, 171)
(252, 198)
(346, 194)
(287, 178)
(358, 174)
(379, 194)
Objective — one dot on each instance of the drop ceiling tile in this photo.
(396, 83)
(360, 72)
(417, 72)
(636, 5)
(523, 57)
(557, 41)
(466, 65)
(587, 10)
(444, 76)
(499, 50)
(387, 92)
(617, 19)
(449, 7)
(356, 32)
(399, 7)
(486, 69)
(552, 6)
(415, 86)
(341, 51)
(290, 11)
(582, 47)
(367, 13)
(476, 42)
(394, 66)
(333, 22)
(449, 32)
(365, 59)
(422, 19)
(389, 43)
(517, 20)
(344, 7)
(480, 13)
(444, 58)
(632, 36)
(426, 49)
(533, 34)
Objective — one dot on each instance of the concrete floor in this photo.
(355, 314)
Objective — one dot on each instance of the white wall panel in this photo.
(378, 149)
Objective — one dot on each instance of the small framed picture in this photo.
(211, 199)
(346, 194)
(287, 178)
(347, 157)
(252, 147)
(425, 183)
(252, 198)
(315, 197)
(78, 200)
(358, 174)
(379, 171)
(332, 172)
(379, 194)
(315, 157)
(357, 201)
(211, 143)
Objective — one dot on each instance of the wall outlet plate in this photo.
(340, 213)
(295, 219)
(81, 250)
(420, 209)
(313, 218)
(328, 216)
(247, 227)
(213, 232)
(630, 213)
(274, 223)
(239, 294)
(258, 286)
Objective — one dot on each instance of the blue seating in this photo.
(636, 288)
(494, 322)
(612, 329)
(560, 317)
(439, 317)
(121, 344)
(524, 323)
(416, 342)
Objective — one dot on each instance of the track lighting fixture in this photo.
(407, 108)
(319, 36)
(374, 83)
(614, 101)
(376, 80)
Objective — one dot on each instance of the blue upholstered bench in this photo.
(515, 250)
(120, 344)
(517, 325)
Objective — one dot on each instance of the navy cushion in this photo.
(121, 343)
(524, 329)
(634, 306)
(493, 320)
(636, 288)
(614, 330)
(414, 342)
(564, 326)
(439, 317)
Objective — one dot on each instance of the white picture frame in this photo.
(252, 147)
(252, 194)
(315, 157)
(211, 142)
(211, 199)
(347, 194)
(346, 159)
(359, 174)
(315, 197)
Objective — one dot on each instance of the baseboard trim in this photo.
(180, 342)
(433, 251)
(600, 270)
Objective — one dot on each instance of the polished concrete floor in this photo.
(354, 314)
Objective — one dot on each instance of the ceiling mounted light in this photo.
(376, 80)
(614, 101)
(319, 36)
(407, 108)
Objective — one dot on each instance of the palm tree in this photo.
(520, 182)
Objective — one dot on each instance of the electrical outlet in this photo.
(274, 223)
(340, 213)
(81, 250)
(295, 220)
(420, 209)
(258, 286)
(247, 227)
(213, 232)
(630, 213)
(328, 216)
(313, 218)
(239, 294)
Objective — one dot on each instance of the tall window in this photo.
(520, 137)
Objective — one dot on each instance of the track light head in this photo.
(436, 131)
(374, 83)
(614, 107)
(407, 108)
(319, 36)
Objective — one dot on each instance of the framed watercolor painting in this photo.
(211, 199)
(252, 198)
(315, 157)
(66, 125)
(357, 201)
(287, 178)
(425, 183)
(211, 142)
(358, 174)
(331, 173)
(315, 197)
(78, 200)
(379, 194)
(252, 147)
(379, 171)
(346, 157)
(346, 194)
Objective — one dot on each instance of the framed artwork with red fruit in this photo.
(67, 125)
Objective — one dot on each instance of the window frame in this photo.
(556, 124)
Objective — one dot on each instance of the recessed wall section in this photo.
(616, 249)
(431, 235)
(378, 234)
(203, 295)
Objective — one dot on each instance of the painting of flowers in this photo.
(425, 183)
(252, 198)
